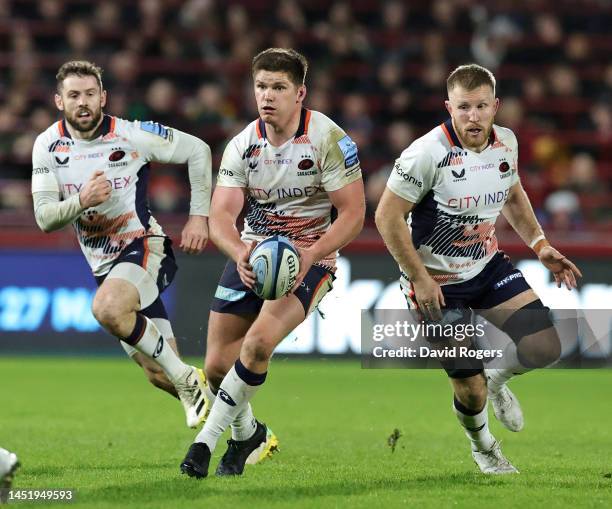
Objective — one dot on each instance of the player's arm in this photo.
(50, 212)
(349, 201)
(166, 145)
(227, 203)
(519, 213)
(390, 218)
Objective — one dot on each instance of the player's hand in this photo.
(96, 191)
(307, 258)
(429, 297)
(563, 270)
(245, 271)
(195, 235)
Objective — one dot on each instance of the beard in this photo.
(477, 141)
(82, 125)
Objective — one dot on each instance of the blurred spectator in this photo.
(107, 16)
(378, 68)
(355, 119)
(52, 11)
(290, 16)
(166, 193)
(592, 192)
(79, 36)
(492, 39)
(563, 211)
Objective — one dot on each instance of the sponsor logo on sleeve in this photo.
(157, 129)
(349, 150)
(40, 171)
(404, 174)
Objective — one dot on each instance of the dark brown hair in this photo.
(282, 60)
(80, 68)
(470, 77)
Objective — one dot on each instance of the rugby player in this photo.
(290, 167)
(91, 170)
(452, 183)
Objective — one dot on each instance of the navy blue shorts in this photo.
(498, 282)
(232, 296)
(155, 255)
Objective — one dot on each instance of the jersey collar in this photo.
(106, 126)
(302, 127)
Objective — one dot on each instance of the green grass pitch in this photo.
(95, 425)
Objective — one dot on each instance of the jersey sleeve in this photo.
(515, 174)
(340, 162)
(232, 172)
(154, 141)
(43, 172)
(413, 174)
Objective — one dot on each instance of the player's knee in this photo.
(105, 311)
(471, 392)
(257, 347)
(472, 400)
(540, 350)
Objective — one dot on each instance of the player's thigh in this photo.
(115, 296)
(226, 332)
(499, 314)
(275, 321)
(147, 263)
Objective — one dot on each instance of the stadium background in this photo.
(376, 68)
(92, 423)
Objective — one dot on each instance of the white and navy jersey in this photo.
(286, 187)
(458, 195)
(122, 150)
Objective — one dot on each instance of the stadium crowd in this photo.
(377, 68)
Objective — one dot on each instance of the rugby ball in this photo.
(276, 264)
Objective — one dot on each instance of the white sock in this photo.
(497, 377)
(210, 394)
(476, 427)
(237, 389)
(153, 345)
(244, 425)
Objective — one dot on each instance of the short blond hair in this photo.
(470, 77)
